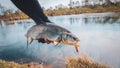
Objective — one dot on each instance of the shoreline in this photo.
(64, 11)
(71, 62)
(12, 19)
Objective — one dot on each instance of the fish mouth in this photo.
(75, 44)
(70, 39)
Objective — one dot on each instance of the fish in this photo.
(52, 33)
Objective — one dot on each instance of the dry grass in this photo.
(82, 63)
(72, 62)
(4, 64)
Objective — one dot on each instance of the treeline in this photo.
(80, 10)
(94, 3)
(86, 6)
(10, 15)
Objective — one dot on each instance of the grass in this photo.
(71, 62)
(6, 64)
(82, 63)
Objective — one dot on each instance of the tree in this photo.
(71, 4)
(100, 2)
(18, 12)
(86, 3)
(77, 4)
(108, 3)
(2, 9)
(8, 12)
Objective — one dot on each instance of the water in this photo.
(99, 35)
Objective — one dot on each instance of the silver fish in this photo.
(52, 33)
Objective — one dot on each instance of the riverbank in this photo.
(81, 10)
(70, 63)
(62, 11)
(6, 64)
(13, 16)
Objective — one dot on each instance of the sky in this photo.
(44, 3)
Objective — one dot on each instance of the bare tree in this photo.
(86, 2)
(2, 9)
(71, 4)
(108, 3)
(100, 2)
(77, 4)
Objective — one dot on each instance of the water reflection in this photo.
(99, 35)
(96, 19)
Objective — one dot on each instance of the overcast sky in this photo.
(44, 3)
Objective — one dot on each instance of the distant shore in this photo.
(62, 11)
(81, 10)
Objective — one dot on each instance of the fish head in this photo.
(70, 39)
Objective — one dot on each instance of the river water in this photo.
(99, 35)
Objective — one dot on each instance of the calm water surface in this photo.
(99, 34)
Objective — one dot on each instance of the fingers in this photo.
(44, 41)
(41, 41)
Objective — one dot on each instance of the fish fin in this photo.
(60, 38)
(29, 41)
(66, 33)
(56, 43)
